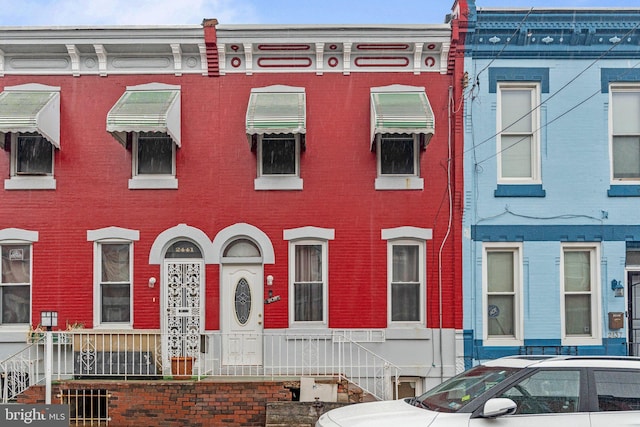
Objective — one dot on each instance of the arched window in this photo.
(242, 248)
(183, 249)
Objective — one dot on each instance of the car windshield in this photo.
(457, 392)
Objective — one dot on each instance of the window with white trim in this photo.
(154, 159)
(115, 282)
(518, 138)
(278, 160)
(580, 293)
(31, 154)
(406, 274)
(113, 273)
(309, 288)
(308, 275)
(15, 283)
(625, 132)
(397, 155)
(502, 300)
(32, 159)
(407, 281)
(30, 132)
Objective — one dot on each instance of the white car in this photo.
(521, 391)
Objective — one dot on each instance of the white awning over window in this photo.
(152, 107)
(275, 110)
(31, 108)
(399, 109)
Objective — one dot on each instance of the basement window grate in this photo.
(87, 407)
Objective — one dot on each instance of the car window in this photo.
(618, 390)
(459, 391)
(546, 391)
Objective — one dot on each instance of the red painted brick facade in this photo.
(216, 169)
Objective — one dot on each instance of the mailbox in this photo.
(616, 320)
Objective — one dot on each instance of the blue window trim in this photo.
(529, 190)
(518, 74)
(624, 191)
(612, 75)
(555, 233)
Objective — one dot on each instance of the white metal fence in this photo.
(93, 354)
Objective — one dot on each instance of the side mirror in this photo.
(498, 407)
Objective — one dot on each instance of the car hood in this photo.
(377, 414)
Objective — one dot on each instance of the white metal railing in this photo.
(132, 354)
(20, 370)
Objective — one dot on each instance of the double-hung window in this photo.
(406, 287)
(279, 155)
(308, 275)
(146, 119)
(625, 132)
(30, 127)
(115, 283)
(153, 155)
(402, 123)
(580, 293)
(398, 155)
(276, 129)
(309, 282)
(113, 273)
(31, 155)
(406, 275)
(518, 136)
(15, 283)
(502, 299)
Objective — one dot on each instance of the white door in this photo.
(242, 314)
(183, 280)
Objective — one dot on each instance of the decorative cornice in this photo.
(101, 50)
(214, 50)
(343, 49)
(558, 33)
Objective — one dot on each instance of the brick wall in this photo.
(178, 403)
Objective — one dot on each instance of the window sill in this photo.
(153, 183)
(578, 341)
(399, 183)
(624, 191)
(278, 183)
(13, 333)
(114, 327)
(502, 342)
(516, 190)
(30, 183)
(298, 326)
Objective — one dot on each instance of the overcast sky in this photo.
(179, 12)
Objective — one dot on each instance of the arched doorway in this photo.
(183, 276)
(241, 309)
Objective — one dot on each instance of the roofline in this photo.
(559, 9)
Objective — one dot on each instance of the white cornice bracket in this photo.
(177, 58)
(75, 59)
(444, 57)
(319, 58)
(248, 58)
(417, 58)
(203, 59)
(1, 63)
(102, 58)
(346, 69)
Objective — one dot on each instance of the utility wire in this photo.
(553, 94)
(548, 122)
